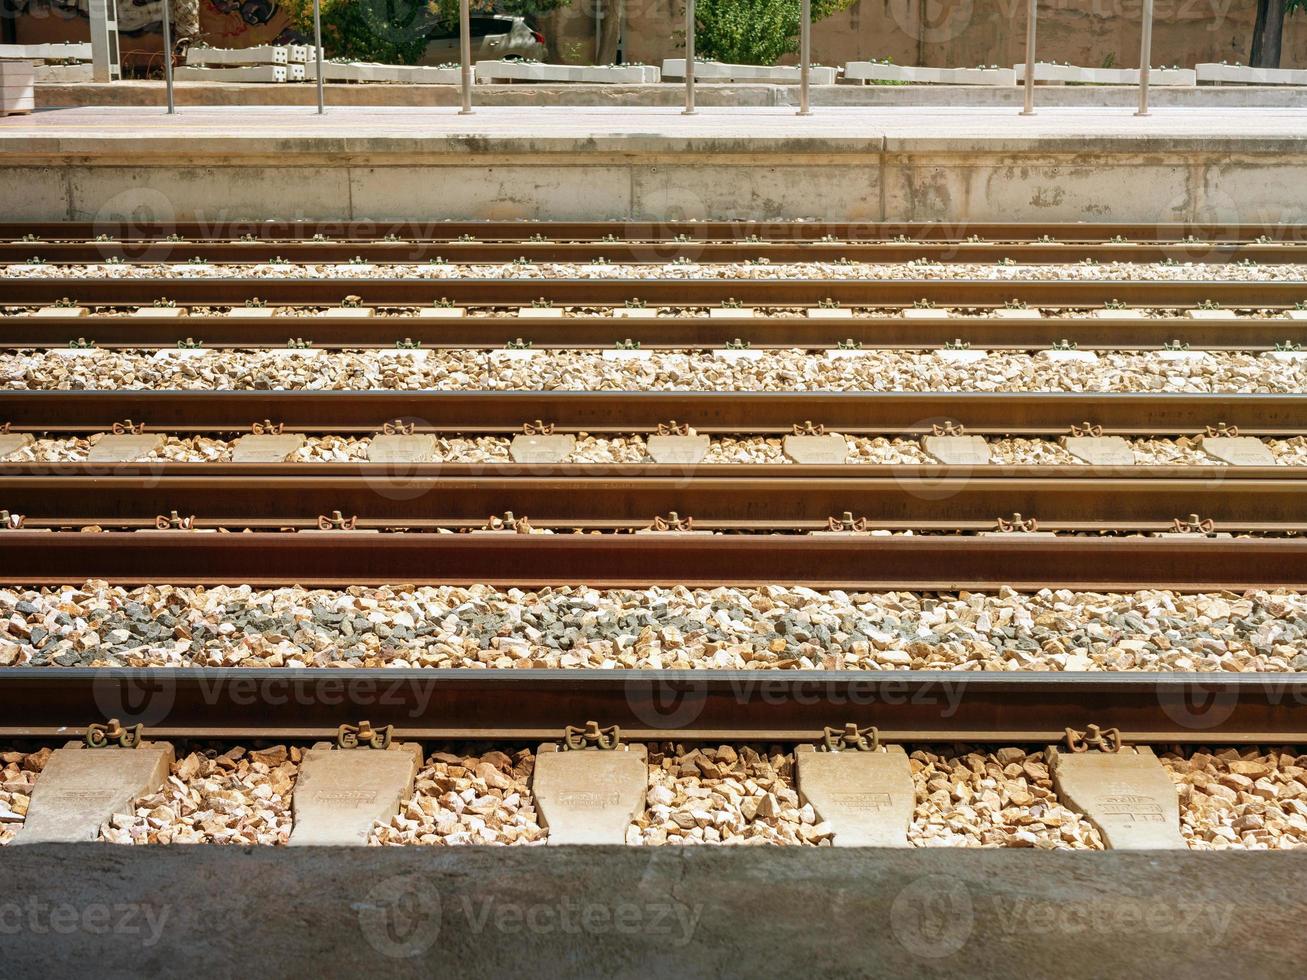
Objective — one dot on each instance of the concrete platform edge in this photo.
(105, 911)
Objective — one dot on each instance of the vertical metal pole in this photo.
(689, 58)
(1145, 56)
(1033, 10)
(317, 53)
(465, 55)
(805, 55)
(167, 56)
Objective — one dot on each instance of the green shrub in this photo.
(753, 32)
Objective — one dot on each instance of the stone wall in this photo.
(963, 33)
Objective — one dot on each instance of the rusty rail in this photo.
(656, 231)
(682, 705)
(340, 558)
(1023, 252)
(898, 333)
(972, 293)
(735, 497)
(901, 413)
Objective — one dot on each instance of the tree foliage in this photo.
(753, 32)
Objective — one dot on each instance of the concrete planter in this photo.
(78, 51)
(868, 71)
(715, 71)
(525, 71)
(357, 71)
(1243, 75)
(263, 54)
(247, 73)
(1045, 72)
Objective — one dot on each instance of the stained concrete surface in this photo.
(105, 911)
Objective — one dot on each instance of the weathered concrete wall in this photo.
(872, 178)
(962, 33)
(106, 911)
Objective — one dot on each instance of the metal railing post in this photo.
(1031, 13)
(465, 55)
(167, 57)
(689, 58)
(1145, 56)
(317, 53)
(805, 55)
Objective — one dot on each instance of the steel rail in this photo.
(631, 496)
(1026, 253)
(902, 413)
(341, 558)
(898, 333)
(695, 705)
(415, 291)
(655, 231)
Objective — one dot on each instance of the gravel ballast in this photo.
(561, 370)
(659, 628)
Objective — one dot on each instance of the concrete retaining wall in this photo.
(103, 910)
(649, 177)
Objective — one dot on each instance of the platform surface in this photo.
(860, 128)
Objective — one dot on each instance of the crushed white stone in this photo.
(724, 795)
(772, 627)
(19, 772)
(232, 797)
(999, 798)
(468, 799)
(1241, 798)
(774, 370)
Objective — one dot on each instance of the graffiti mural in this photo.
(222, 23)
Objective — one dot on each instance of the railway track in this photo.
(664, 332)
(748, 706)
(897, 413)
(1024, 562)
(734, 497)
(687, 291)
(524, 231)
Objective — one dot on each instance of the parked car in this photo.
(493, 37)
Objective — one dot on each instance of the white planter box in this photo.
(357, 71)
(1243, 75)
(48, 52)
(1045, 72)
(715, 71)
(524, 71)
(262, 54)
(251, 73)
(866, 71)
